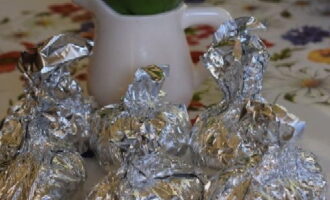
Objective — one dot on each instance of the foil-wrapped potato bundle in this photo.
(143, 123)
(243, 125)
(247, 142)
(42, 137)
(153, 176)
(283, 173)
(142, 143)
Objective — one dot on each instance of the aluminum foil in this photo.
(11, 135)
(43, 136)
(224, 137)
(237, 59)
(141, 142)
(153, 176)
(243, 139)
(283, 173)
(142, 123)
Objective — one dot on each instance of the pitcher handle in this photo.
(213, 16)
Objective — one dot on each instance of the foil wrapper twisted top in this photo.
(42, 135)
(247, 142)
(142, 123)
(144, 96)
(237, 59)
(141, 142)
(53, 98)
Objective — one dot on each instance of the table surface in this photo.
(298, 38)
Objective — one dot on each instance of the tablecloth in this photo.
(298, 39)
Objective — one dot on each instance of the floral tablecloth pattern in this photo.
(298, 39)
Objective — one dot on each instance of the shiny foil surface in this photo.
(154, 176)
(43, 135)
(143, 123)
(247, 143)
(241, 148)
(141, 142)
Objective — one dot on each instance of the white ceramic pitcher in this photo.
(125, 42)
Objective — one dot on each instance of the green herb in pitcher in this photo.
(142, 7)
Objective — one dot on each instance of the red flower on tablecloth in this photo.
(267, 43)
(83, 17)
(65, 9)
(250, 7)
(81, 77)
(192, 40)
(28, 45)
(76, 13)
(195, 56)
(302, 3)
(196, 33)
(204, 31)
(195, 105)
(193, 121)
(20, 34)
(8, 61)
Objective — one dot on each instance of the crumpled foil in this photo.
(42, 136)
(247, 142)
(142, 123)
(283, 173)
(11, 135)
(153, 176)
(141, 142)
